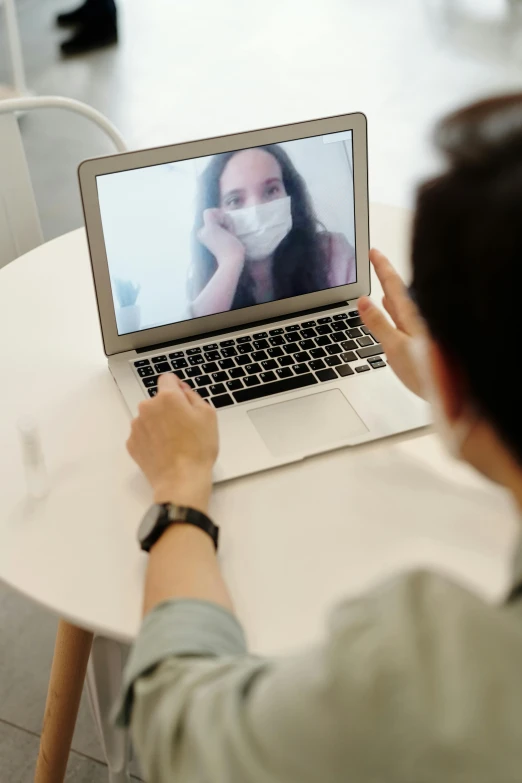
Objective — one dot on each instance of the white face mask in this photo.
(452, 434)
(262, 228)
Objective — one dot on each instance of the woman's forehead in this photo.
(248, 168)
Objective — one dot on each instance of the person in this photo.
(257, 238)
(418, 680)
(96, 24)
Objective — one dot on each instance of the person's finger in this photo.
(170, 383)
(387, 306)
(227, 224)
(397, 300)
(191, 395)
(377, 323)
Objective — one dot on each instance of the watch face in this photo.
(149, 522)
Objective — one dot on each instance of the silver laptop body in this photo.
(237, 262)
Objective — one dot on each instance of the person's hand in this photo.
(395, 338)
(174, 440)
(217, 234)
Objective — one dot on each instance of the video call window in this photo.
(206, 235)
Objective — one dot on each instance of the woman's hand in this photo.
(174, 440)
(217, 234)
(395, 339)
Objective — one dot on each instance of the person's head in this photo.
(234, 181)
(467, 279)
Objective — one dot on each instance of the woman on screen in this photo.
(256, 237)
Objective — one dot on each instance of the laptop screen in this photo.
(206, 235)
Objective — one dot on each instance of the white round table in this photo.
(348, 518)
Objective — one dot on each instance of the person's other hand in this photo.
(217, 234)
(174, 440)
(395, 338)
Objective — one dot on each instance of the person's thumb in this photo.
(376, 321)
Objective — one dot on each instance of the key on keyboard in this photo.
(253, 369)
(345, 370)
(371, 350)
(217, 388)
(326, 375)
(210, 367)
(284, 385)
(222, 400)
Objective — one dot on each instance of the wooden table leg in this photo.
(71, 655)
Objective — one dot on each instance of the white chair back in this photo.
(20, 229)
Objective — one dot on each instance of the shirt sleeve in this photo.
(397, 687)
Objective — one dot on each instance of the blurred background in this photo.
(186, 69)
(183, 70)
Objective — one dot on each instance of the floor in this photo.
(190, 69)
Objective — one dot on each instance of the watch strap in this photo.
(171, 514)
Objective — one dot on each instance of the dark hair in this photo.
(467, 256)
(298, 266)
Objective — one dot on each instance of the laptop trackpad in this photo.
(307, 424)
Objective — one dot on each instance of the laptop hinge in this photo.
(254, 324)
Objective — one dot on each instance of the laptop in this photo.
(236, 263)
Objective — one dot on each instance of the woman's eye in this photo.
(273, 190)
(233, 202)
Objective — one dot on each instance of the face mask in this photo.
(262, 228)
(452, 434)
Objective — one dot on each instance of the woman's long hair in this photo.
(299, 261)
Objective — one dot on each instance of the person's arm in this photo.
(395, 692)
(218, 236)
(174, 441)
(218, 294)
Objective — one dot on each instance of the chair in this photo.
(14, 50)
(20, 229)
(20, 232)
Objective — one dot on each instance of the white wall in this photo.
(148, 215)
(328, 173)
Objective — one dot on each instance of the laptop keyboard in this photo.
(246, 368)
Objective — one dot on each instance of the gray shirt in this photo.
(419, 681)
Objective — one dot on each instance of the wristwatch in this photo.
(161, 516)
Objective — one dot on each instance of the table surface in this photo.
(294, 540)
